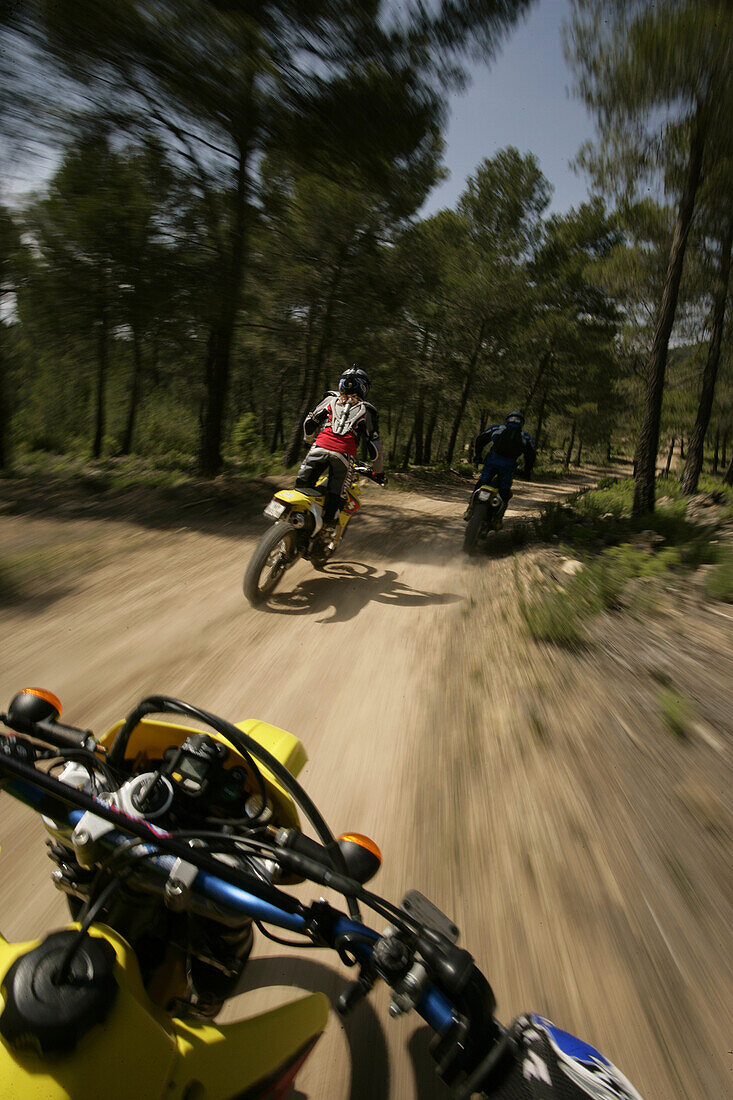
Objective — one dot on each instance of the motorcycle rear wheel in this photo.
(474, 527)
(274, 554)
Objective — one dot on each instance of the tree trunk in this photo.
(608, 449)
(314, 370)
(4, 408)
(580, 449)
(408, 448)
(428, 452)
(395, 437)
(569, 451)
(463, 401)
(137, 374)
(277, 431)
(646, 451)
(682, 447)
(693, 468)
(540, 418)
(468, 382)
(724, 449)
(539, 374)
(716, 451)
(669, 456)
(216, 377)
(728, 479)
(100, 402)
(419, 429)
(217, 366)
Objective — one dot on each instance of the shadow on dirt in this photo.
(348, 587)
(225, 505)
(362, 1029)
(33, 603)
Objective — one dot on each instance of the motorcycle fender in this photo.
(317, 512)
(486, 492)
(249, 1058)
(297, 501)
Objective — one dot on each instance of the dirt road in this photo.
(375, 665)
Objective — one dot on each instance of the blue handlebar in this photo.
(434, 1007)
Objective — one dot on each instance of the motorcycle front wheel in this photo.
(474, 527)
(276, 551)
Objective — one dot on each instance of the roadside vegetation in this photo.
(605, 549)
(190, 279)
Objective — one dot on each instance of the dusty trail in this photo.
(357, 662)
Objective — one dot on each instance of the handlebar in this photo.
(217, 887)
(368, 472)
(417, 956)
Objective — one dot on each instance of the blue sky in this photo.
(523, 99)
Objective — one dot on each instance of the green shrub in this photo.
(676, 711)
(556, 614)
(8, 583)
(246, 440)
(549, 617)
(719, 585)
(167, 427)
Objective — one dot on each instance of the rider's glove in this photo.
(553, 1065)
(381, 479)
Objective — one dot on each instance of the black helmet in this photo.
(515, 418)
(354, 381)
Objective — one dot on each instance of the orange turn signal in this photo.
(364, 842)
(47, 696)
(361, 855)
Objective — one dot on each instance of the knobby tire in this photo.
(473, 528)
(281, 532)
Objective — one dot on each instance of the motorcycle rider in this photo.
(342, 420)
(507, 444)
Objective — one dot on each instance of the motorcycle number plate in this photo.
(420, 907)
(484, 494)
(274, 509)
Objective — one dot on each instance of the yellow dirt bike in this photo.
(299, 533)
(169, 843)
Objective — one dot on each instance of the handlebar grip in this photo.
(50, 732)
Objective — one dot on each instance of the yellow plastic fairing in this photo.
(286, 748)
(150, 738)
(141, 1052)
(297, 501)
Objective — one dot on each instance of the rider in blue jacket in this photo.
(507, 444)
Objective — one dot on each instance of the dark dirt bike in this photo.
(487, 515)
